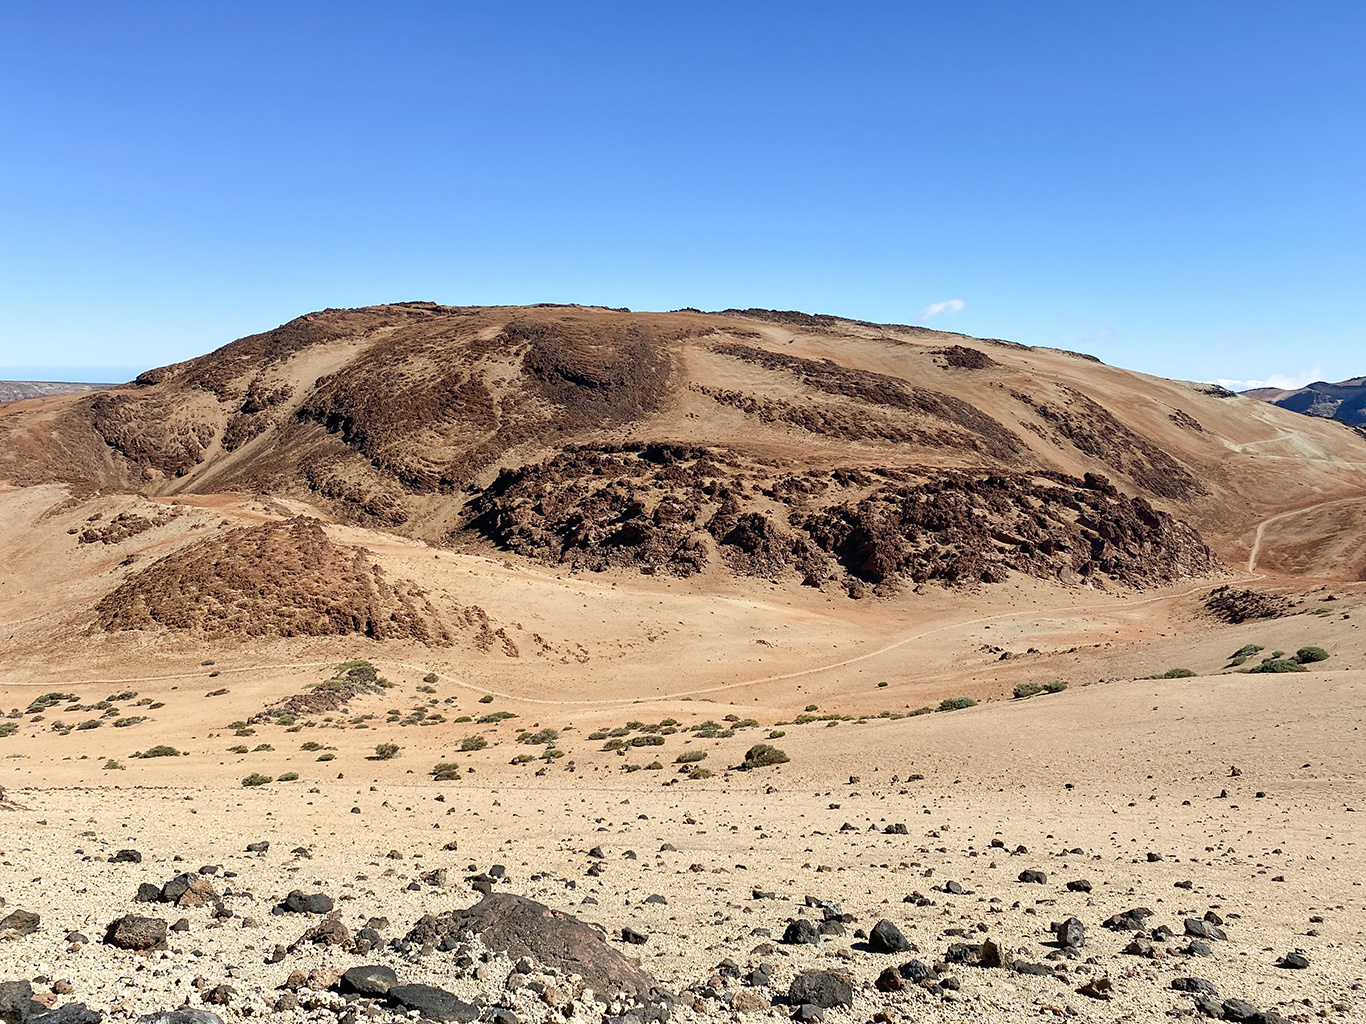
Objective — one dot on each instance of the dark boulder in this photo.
(523, 927)
(126, 857)
(887, 938)
(297, 902)
(1079, 885)
(1034, 877)
(1195, 986)
(826, 989)
(801, 932)
(147, 893)
(915, 971)
(433, 1003)
(1127, 921)
(1070, 933)
(16, 1002)
(136, 933)
(71, 1013)
(1198, 929)
(370, 980)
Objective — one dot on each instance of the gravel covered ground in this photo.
(1142, 804)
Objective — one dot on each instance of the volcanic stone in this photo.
(826, 989)
(137, 933)
(887, 938)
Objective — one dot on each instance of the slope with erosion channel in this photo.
(409, 417)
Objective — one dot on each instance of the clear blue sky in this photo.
(1177, 187)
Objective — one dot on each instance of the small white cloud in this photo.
(948, 306)
(1286, 382)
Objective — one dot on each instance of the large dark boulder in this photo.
(523, 927)
(137, 933)
(826, 989)
(433, 1003)
(16, 1002)
(297, 902)
(71, 1013)
(887, 938)
(370, 980)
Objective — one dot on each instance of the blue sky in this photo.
(1175, 187)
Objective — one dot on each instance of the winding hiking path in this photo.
(1261, 527)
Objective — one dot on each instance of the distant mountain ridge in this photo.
(16, 390)
(1344, 401)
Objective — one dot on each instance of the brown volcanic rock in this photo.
(524, 927)
(392, 416)
(664, 507)
(276, 579)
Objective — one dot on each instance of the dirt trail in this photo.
(1261, 527)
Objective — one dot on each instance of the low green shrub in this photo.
(647, 741)
(486, 699)
(429, 678)
(690, 756)
(776, 734)
(239, 749)
(1278, 665)
(473, 743)
(160, 750)
(523, 759)
(1024, 690)
(327, 757)
(386, 751)
(762, 755)
(257, 779)
(288, 777)
(542, 738)
(311, 745)
(446, 772)
(1309, 655)
(262, 747)
(1054, 686)
(956, 703)
(699, 773)
(614, 744)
